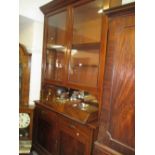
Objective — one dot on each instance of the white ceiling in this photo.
(30, 9)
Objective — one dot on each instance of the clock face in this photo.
(24, 120)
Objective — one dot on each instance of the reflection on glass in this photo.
(84, 67)
(84, 58)
(54, 65)
(87, 23)
(56, 46)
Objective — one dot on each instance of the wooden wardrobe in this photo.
(117, 121)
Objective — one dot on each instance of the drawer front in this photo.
(75, 129)
(46, 114)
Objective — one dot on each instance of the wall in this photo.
(26, 32)
(31, 35)
(30, 9)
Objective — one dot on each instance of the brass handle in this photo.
(43, 112)
(72, 126)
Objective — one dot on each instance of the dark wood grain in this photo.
(55, 5)
(102, 60)
(117, 122)
(69, 145)
(122, 88)
(58, 4)
(45, 131)
(113, 84)
(59, 135)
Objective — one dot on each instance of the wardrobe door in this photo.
(117, 125)
(122, 79)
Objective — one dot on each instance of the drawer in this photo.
(74, 128)
(46, 114)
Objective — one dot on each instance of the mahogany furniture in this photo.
(73, 58)
(76, 39)
(59, 135)
(73, 50)
(25, 134)
(117, 121)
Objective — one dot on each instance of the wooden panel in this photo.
(121, 39)
(74, 138)
(117, 121)
(46, 132)
(83, 130)
(70, 145)
(104, 150)
(55, 134)
(55, 5)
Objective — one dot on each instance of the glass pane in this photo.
(84, 58)
(56, 46)
(87, 23)
(84, 67)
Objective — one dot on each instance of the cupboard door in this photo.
(74, 138)
(46, 132)
(85, 48)
(70, 146)
(117, 127)
(56, 46)
(122, 96)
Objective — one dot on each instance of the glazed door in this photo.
(85, 48)
(46, 132)
(55, 47)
